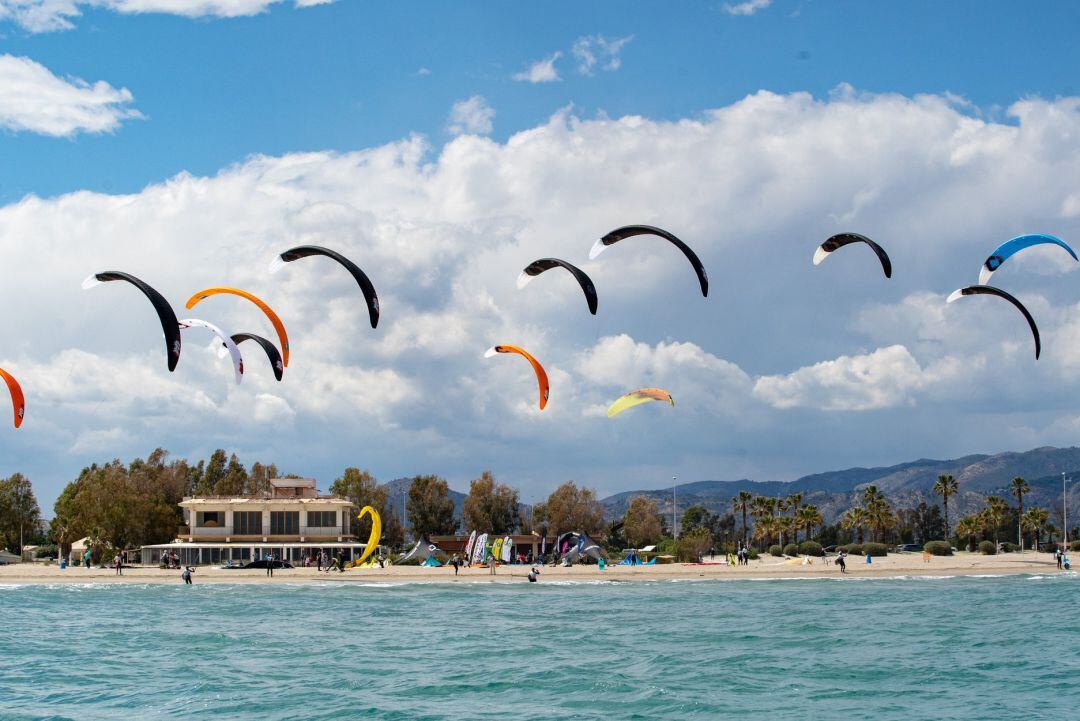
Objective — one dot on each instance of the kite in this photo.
(629, 231)
(1004, 251)
(376, 533)
(541, 375)
(842, 239)
(237, 360)
(271, 351)
(636, 398)
(283, 337)
(990, 290)
(539, 266)
(169, 324)
(304, 251)
(18, 402)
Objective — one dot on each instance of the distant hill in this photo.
(905, 484)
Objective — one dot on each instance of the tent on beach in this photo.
(572, 547)
(423, 553)
(633, 559)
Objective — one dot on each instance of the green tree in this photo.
(808, 518)
(213, 475)
(641, 522)
(234, 481)
(855, 519)
(1034, 520)
(995, 513)
(570, 508)
(430, 508)
(966, 528)
(739, 504)
(946, 487)
(258, 482)
(1018, 487)
(695, 516)
(490, 506)
(19, 512)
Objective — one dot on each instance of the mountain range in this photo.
(834, 492)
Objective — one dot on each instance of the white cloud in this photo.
(39, 16)
(472, 115)
(758, 370)
(746, 8)
(881, 379)
(592, 51)
(33, 99)
(542, 71)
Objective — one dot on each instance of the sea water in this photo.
(904, 648)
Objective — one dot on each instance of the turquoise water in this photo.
(959, 648)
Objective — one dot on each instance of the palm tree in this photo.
(1018, 488)
(809, 517)
(995, 511)
(740, 502)
(967, 527)
(763, 530)
(1034, 520)
(781, 526)
(793, 502)
(945, 486)
(854, 518)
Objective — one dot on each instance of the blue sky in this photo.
(344, 76)
(189, 148)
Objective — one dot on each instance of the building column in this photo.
(266, 523)
(228, 525)
(340, 525)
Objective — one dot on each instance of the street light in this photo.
(674, 508)
(1065, 511)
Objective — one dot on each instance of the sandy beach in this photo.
(903, 564)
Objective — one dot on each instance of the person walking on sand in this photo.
(455, 562)
(186, 575)
(841, 563)
(1057, 557)
(318, 560)
(270, 565)
(119, 563)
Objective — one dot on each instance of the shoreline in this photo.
(768, 568)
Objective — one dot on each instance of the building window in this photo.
(247, 523)
(321, 519)
(284, 523)
(210, 519)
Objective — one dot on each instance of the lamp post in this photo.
(1064, 511)
(674, 508)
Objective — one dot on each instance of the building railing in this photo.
(211, 531)
(321, 531)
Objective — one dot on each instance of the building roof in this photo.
(260, 544)
(263, 500)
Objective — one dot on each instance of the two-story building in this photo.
(290, 523)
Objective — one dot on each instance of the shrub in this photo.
(987, 548)
(1007, 547)
(47, 551)
(853, 549)
(875, 549)
(811, 548)
(1074, 546)
(752, 554)
(938, 548)
(791, 550)
(775, 550)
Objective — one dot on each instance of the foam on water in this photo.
(883, 648)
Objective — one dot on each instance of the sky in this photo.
(444, 146)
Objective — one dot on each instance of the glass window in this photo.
(247, 523)
(321, 519)
(284, 523)
(210, 519)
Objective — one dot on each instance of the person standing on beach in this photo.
(841, 563)
(186, 575)
(270, 565)
(119, 563)
(1057, 557)
(318, 560)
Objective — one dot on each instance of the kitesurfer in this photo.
(534, 573)
(186, 575)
